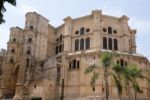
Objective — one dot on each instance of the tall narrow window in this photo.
(70, 65)
(30, 40)
(78, 64)
(56, 51)
(121, 63)
(110, 43)
(82, 44)
(104, 43)
(11, 60)
(74, 64)
(109, 30)
(82, 30)
(76, 44)
(28, 52)
(115, 44)
(60, 48)
(87, 43)
(61, 37)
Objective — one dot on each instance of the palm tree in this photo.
(117, 76)
(106, 61)
(3, 9)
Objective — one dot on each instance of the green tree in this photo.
(106, 59)
(3, 9)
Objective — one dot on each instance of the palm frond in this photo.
(90, 69)
(106, 59)
(93, 79)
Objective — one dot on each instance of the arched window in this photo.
(109, 30)
(27, 61)
(13, 50)
(61, 37)
(110, 43)
(30, 40)
(76, 44)
(104, 43)
(60, 48)
(82, 30)
(78, 64)
(115, 44)
(70, 65)
(82, 44)
(28, 52)
(121, 62)
(11, 60)
(87, 43)
(74, 64)
(56, 50)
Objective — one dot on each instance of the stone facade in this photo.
(48, 63)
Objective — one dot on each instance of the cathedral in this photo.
(43, 62)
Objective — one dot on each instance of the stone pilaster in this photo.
(133, 42)
(96, 36)
(67, 35)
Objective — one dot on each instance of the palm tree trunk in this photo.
(106, 83)
(135, 95)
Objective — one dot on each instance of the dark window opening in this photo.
(77, 32)
(104, 43)
(60, 48)
(27, 61)
(35, 86)
(78, 64)
(28, 52)
(31, 27)
(61, 37)
(109, 30)
(126, 64)
(30, 40)
(57, 39)
(115, 44)
(76, 44)
(93, 88)
(13, 50)
(82, 44)
(82, 30)
(70, 65)
(11, 61)
(74, 64)
(121, 63)
(118, 62)
(115, 32)
(14, 40)
(56, 50)
(104, 29)
(87, 43)
(110, 43)
(87, 30)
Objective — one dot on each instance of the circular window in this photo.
(87, 30)
(115, 32)
(77, 32)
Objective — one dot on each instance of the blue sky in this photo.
(56, 10)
